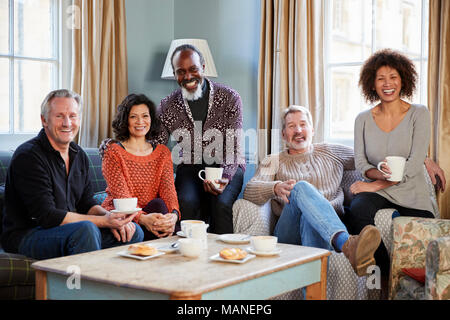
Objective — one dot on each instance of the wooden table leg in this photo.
(318, 290)
(41, 285)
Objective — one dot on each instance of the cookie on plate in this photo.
(233, 253)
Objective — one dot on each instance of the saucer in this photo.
(181, 234)
(264, 253)
(235, 238)
(126, 212)
(133, 256)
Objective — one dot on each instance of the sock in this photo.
(395, 214)
(339, 240)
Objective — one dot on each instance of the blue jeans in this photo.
(69, 239)
(308, 219)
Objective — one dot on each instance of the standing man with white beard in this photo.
(205, 118)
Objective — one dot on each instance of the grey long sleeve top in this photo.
(410, 139)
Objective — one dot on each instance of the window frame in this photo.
(62, 47)
(422, 63)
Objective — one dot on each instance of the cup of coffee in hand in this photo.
(125, 204)
(396, 165)
(211, 174)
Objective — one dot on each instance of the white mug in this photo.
(126, 204)
(211, 174)
(190, 247)
(396, 165)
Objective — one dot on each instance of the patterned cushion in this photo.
(437, 283)
(100, 197)
(16, 277)
(411, 237)
(95, 170)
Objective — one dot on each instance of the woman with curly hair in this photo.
(134, 168)
(393, 127)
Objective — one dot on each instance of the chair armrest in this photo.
(411, 237)
(249, 218)
(437, 280)
(383, 221)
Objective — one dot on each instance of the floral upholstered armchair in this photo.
(420, 260)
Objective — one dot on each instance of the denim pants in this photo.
(197, 204)
(308, 219)
(69, 239)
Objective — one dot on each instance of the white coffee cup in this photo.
(187, 224)
(190, 247)
(211, 174)
(396, 165)
(126, 204)
(264, 243)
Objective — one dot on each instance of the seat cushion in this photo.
(15, 270)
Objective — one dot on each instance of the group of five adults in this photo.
(49, 205)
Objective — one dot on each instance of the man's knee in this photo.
(86, 229)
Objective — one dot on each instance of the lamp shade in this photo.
(201, 45)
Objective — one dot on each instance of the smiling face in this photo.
(298, 132)
(62, 122)
(188, 70)
(388, 84)
(139, 120)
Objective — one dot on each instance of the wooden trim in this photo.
(318, 291)
(185, 296)
(41, 285)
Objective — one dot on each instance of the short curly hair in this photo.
(387, 57)
(120, 122)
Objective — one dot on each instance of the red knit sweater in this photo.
(142, 177)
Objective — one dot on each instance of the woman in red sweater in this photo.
(134, 168)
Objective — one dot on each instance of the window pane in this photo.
(350, 36)
(33, 81)
(346, 101)
(4, 95)
(33, 28)
(4, 26)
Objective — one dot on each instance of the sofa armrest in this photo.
(437, 280)
(249, 218)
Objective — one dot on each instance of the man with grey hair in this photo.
(49, 205)
(303, 183)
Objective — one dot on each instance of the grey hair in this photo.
(60, 93)
(295, 108)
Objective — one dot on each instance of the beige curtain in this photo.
(99, 66)
(439, 93)
(290, 67)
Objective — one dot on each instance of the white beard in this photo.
(197, 94)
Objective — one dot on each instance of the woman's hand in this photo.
(361, 186)
(161, 225)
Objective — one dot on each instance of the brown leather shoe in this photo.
(360, 249)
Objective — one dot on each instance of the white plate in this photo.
(128, 255)
(181, 234)
(217, 257)
(235, 238)
(263, 253)
(126, 212)
(167, 248)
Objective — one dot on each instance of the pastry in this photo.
(233, 254)
(142, 250)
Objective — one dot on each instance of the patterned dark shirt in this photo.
(217, 142)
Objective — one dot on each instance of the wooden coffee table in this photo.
(106, 275)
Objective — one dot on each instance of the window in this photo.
(30, 61)
(354, 29)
